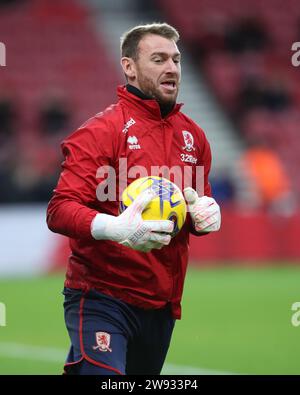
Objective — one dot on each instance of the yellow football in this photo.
(169, 203)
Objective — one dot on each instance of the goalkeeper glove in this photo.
(130, 229)
(205, 211)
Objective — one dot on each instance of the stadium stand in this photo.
(59, 73)
(51, 48)
(245, 54)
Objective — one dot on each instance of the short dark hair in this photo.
(130, 39)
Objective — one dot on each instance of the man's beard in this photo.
(148, 88)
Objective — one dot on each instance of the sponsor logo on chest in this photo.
(133, 143)
(188, 158)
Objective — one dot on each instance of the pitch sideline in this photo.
(56, 355)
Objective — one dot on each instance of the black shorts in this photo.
(112, 337)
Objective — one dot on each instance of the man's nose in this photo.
(172, 67)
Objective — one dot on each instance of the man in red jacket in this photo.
(125, 275)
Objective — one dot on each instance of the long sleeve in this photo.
(74, 203)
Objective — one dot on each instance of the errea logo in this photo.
(133, 143)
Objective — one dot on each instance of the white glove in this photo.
(130, 229)
(205, 211)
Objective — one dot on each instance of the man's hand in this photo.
(130, 229)
(205, 211)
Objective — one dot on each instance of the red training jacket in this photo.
(132, 129)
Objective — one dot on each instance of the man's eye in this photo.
(157, 60)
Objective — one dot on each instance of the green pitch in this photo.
(234, 320)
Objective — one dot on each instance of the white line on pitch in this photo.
(37, 353)
(58, 355)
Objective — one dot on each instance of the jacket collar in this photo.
(146, 107)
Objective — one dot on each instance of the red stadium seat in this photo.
(52, 44)
(226, 73)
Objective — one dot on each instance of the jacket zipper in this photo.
(171, 271)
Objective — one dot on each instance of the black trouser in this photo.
(112, 337)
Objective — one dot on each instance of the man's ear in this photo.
(129, 68)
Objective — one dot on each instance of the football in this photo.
(169, 203)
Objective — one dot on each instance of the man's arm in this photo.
(71, 213)
(70, 210)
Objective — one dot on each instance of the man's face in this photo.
(157, 69)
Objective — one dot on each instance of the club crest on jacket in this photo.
(188, 141)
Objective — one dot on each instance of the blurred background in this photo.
(240, 86)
